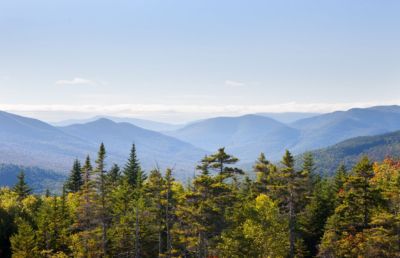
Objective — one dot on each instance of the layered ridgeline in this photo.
(244, 136)
(348, 152)
(39, 179)
(30, 142)
(247, 136)
(328, 129)
(33, 143)
(143, 123)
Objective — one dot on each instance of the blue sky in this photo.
(176, 60)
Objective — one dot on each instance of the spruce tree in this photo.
(288, 188)
(21, 187)
(23, 244)
(132, 167)
(153, 189)
(87, 241)
(122, 233)
(344, 234)
(114, 175)
(262, 170)
(75, 181)
(102, 190)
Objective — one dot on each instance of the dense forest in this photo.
(276, 211)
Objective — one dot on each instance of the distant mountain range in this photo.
(288, 117)
(244, 136)
(327, 129)
(154, 149)
(143, 123)
(30, 142)
(37, 178)
(33, 143)
(247, 136)
(350, 151)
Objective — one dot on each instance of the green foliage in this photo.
(23, 243)
(21, 188)
(132, 167)
(283, 212)
(75, 181)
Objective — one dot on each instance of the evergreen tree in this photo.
(21, 187)
(262, 170)
(153, 189)
(102, 190)
(220, 160)
(139, 207)
(23, 243)
(288, 188)
(308, 171)
(344, 235)
(122, 235)
(132, 168)
(340, 178)
(212, 201)
(86, 240)
(75, 181)
(313, 218)
(114, 175)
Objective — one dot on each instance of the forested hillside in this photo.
(350, 151)
(31, 142)
(283, 212)
(39, 179)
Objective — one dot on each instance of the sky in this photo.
(179, 60)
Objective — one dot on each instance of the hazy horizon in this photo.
(177, 61)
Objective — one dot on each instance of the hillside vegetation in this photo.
(283, 212)
(350, 151)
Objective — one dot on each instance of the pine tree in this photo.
(102, 190)
(132, 168)
(219, 161)
(344, 235)
(288, 188)
(23, 243)
(153, 190)
(168, 203)
(313, 218)
(75, 181)
(308, 171)
(114, 175)
(262, 170)
(340, 178)
(212, 200)
(139, 206)
(122, 235)
(86, 240)
(21, 187)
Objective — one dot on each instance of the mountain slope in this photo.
(152, 147)
(30, 142)
(38, 179)
(288, 117)
(328, 129)
(143, 123)
(244, 136)
(350, 151)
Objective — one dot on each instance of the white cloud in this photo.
(175, 113)
(231, 83)
(76, 81)
(133, 109)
